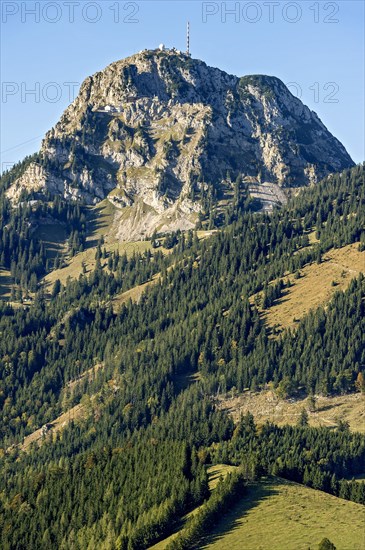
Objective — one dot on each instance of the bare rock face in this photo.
(154, 132)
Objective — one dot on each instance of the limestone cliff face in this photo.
(153, 132)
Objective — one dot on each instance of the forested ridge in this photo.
(122, 475)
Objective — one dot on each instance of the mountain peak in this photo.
(156, 134)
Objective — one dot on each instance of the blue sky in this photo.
(50, 47)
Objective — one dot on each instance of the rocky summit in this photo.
(157, 132)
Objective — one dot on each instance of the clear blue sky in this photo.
(318, 46)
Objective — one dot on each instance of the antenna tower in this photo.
(188, 39)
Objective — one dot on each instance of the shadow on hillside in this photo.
(95, 223)
(54, 238)
(5, 282)
(232, 521)
(325, 408)
(283, 298)
(183, 380)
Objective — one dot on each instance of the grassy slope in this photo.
(214, 474)
(75, 413)
(278, 514)
(74, 267)
(100, 221)
(266, 406)
(102, 224)
(134, 293)
(315, 288)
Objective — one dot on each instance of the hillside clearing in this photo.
(277, 514)
(87, 257)
(134, 293)
(315, 287)
(75, 413)
(101, 222)
(218, 471)
(265, 406)
(88, 375)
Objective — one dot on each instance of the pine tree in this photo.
(326, 544)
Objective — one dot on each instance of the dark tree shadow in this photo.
(328, 407)
(95, 223)
(255, 493)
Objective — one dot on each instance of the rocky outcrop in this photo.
(157, 131)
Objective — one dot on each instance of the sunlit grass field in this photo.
(279, 515)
